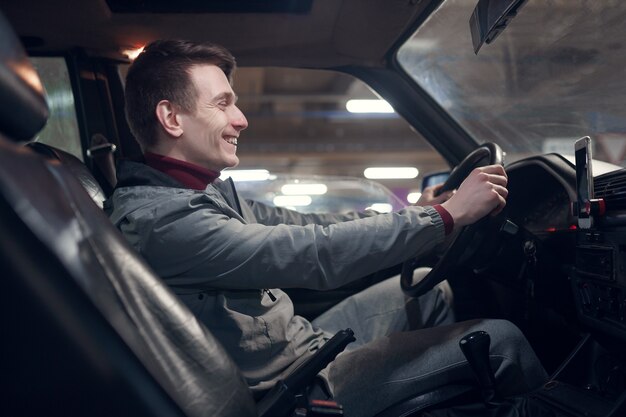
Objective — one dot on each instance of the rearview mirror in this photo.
(489, 19)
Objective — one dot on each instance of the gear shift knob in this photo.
(475, 347)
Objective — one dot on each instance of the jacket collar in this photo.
(133, 174)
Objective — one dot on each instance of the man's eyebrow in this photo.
(226, 95)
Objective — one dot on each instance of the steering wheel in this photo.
(468, 240)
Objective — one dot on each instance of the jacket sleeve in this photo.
(272, 216)
(200, 245)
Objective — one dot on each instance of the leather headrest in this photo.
(23, 107)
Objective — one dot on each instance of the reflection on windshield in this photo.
(557, 73)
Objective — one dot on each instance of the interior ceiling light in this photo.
(303, 189)
(133, 53)
(246, 174)
(378, 173)
(369, 106)
(292, 200)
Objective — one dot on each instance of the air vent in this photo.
(612, 188)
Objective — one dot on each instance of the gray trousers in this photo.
(408, 346)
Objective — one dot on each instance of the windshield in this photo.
(557, 73)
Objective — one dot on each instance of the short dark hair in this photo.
(161, 72)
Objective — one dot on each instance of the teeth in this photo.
(232, 141)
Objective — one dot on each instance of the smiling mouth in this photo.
(232, 141)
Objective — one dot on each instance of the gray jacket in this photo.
(219, 253)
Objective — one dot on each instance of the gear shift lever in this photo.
(475, 347)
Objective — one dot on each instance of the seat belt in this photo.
(101, 152)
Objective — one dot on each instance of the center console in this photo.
(599, 276)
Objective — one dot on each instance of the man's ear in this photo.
(169, 118)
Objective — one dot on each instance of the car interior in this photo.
(91, 330)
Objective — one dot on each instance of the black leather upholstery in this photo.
(75, 166)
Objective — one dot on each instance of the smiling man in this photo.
(227, 258)
(213, 121)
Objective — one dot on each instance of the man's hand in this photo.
(428, 197)
(482, 192)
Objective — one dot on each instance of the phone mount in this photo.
(592, 207)
(586, 208)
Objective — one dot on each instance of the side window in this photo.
(61, 131)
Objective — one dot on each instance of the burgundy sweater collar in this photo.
(188, 174)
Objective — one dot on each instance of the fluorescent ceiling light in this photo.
(246, 174)
(381, 207)
(369, 106)
(292, 200)
(377, 173)
(303, 189)
(413, 197)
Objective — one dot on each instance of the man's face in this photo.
(210, 132)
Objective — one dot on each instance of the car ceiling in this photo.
(332, 33)
(320, 34)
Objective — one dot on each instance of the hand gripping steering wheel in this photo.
(467, 241)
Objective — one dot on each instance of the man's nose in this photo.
(238, 119)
